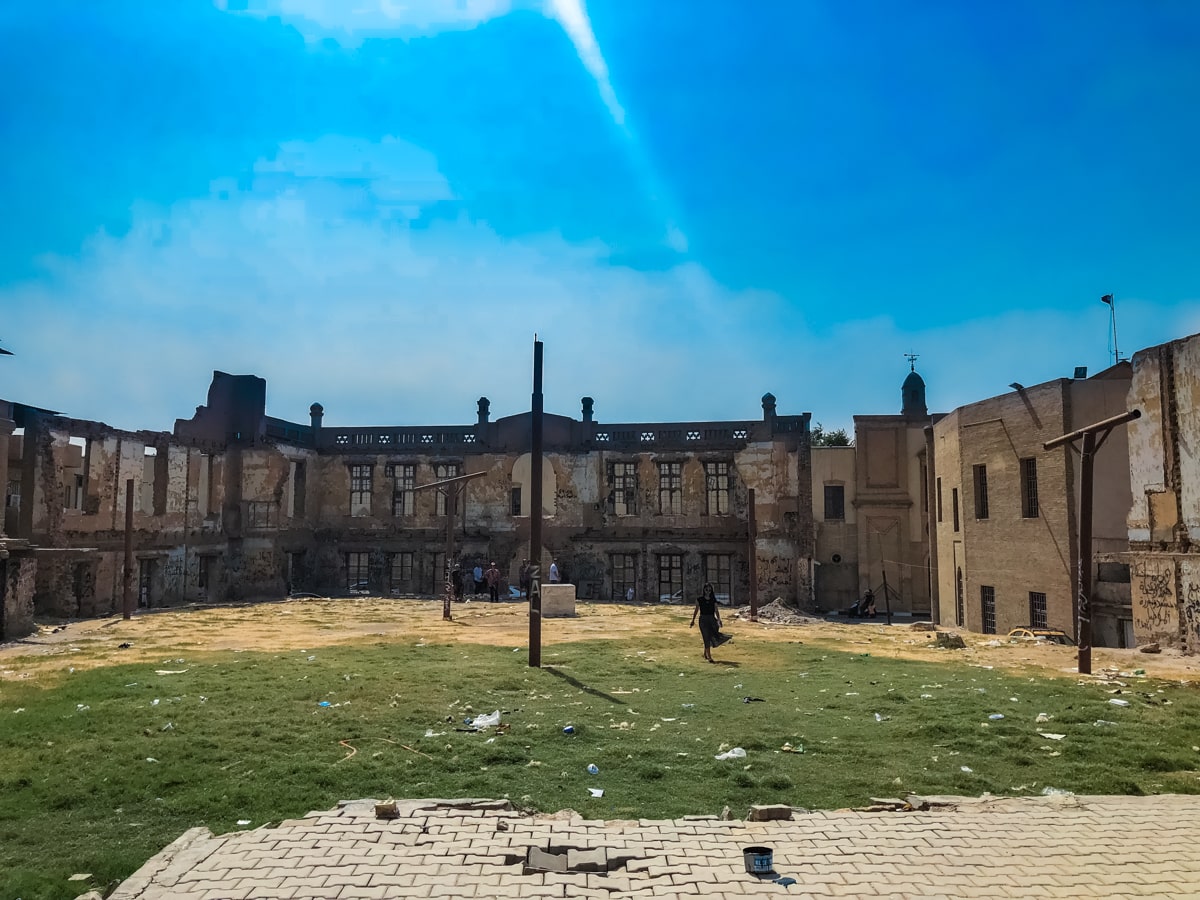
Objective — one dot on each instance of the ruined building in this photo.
(1164, 519)
(237, 505)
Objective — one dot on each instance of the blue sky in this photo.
(375, 204)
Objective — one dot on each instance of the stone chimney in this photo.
(588, 402)
(484, 407)
(316, 412)
(768, 404)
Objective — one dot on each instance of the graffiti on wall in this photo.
(775, 572)
(1190, 612)
(1155, 615)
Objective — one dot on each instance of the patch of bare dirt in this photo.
(298, 624)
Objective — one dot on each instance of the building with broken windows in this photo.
(1164, 519)
(235, 504)
(1006, 510)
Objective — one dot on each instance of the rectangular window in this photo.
(987, 604)
(1037, 609)
(939, 499)
(954, 506)
(404, 479)
(400, 573)
(441, 472)
(716, 482)
(358, 573)
(670, 488)
(360, 490)
(622, 479)
(1029, 492)
(981, 492)
(204, 574)
(514, 500)
(960, 613)
(145, 583)
(670, 577)
(73, 494)
(717, 568)
(835, 503)
(624, 575)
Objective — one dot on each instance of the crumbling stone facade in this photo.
(1164, 519)
(237, 505)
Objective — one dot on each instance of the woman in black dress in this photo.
(710, 620)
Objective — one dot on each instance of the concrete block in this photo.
(558, 600)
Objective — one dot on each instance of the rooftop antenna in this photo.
(1112, 310)
(912, 360)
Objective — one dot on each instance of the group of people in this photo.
(490, 579)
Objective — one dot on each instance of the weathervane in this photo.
(912, 360)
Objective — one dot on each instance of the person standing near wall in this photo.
(492, 577)
(710, 621)
(553, 572)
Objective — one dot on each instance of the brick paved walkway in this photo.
(1072, 847)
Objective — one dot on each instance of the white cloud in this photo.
(350, 21)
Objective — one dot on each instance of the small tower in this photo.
(588, 405)
(912, 393)
(484, 408)
(768, 405)
(316, 413)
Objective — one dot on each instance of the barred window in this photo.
(960, 614)
(358, 570)
(987, 603)
(624, 575)
(1029, 489)
(441, 472)
(670, 488)
(400, 573)
(670, 577)
(360, 490)
(623, 488)
(716, 482)
(404, 477)
(981, 492)
(717, 569)
(1037, 609)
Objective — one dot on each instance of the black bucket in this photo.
(759, 860)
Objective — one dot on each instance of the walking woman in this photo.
(710, 620)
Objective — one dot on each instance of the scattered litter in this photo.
(570, 729)
(1116, 701)
(151, 759)
(669, 720)
(167, 727)
(154, 702)
(125, 646)
(688, 705)
(311, 658)
(735, 753)
(593, 769)
(1051, 737)
(881, 718)
(490, 740)
(1100, 723)
(169, 671)
(1042, 718)
(243, 821)
(81, 707)
(485, 721)
(927, 696)
(321, 703)
(80, 876)
(1056, 792)
(996, 716)
(967, 769)
(430, 733)
(753, 700)
(788, 748)
(596, 792)
(785, 880)
(19, 709)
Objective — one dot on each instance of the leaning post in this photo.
(535, 513)
(127, 583)
(752, 549)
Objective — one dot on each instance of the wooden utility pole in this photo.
(753, 551)
(1087, 457)
(535, 514)
(127, 596)
(452, 489)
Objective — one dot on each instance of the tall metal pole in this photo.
(452, 492)
(535, 513)
(753, 551)
(127, 596)
(1087, 456)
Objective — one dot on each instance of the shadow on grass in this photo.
(575, 682)
(728, 663)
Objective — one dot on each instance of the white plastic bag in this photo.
(486, 721)
(735, 753)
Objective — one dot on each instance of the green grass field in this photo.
(101, 768)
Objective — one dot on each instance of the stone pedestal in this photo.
(558, 600)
